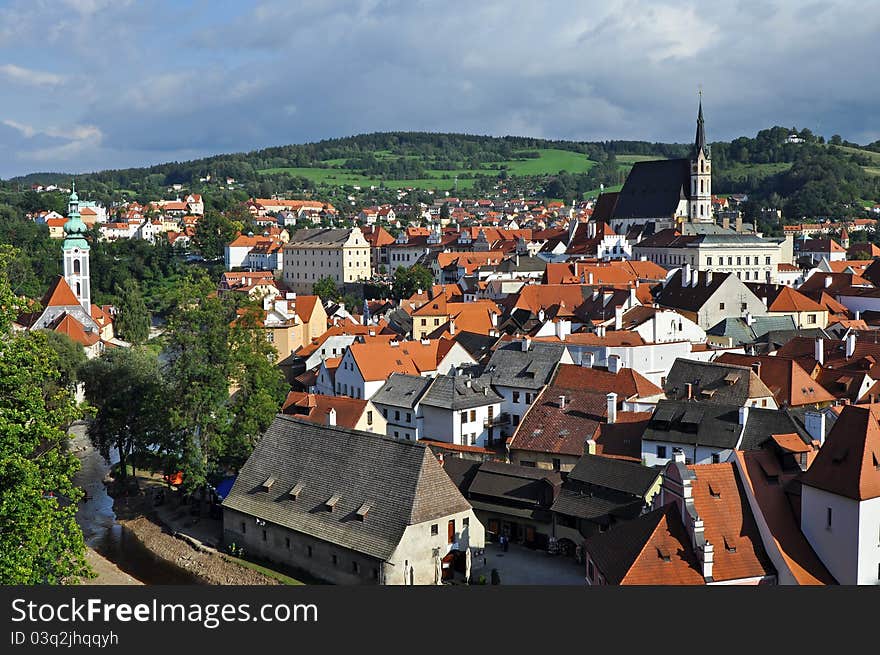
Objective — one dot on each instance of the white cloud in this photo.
(30, 77)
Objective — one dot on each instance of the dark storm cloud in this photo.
(145, 82)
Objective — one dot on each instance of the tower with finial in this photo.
(76, 253)
(700, 205)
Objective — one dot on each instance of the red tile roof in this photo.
(780, 517)
(848, 464)
(59, 294)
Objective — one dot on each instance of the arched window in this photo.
(78, 290)
(701, 186)
(76, 268)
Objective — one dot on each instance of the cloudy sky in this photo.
(96, 84)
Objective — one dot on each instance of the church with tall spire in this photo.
(665, 193)
(67, 306)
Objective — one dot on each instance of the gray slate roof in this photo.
(742, 333)
(717, 425)
(509, 366)
(401, 390)
(319, 237)
(616, 474)
(402, 482)
(714, 382)
(653, 189)
(457, 392)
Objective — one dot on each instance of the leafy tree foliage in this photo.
(409, 280)
(221, 373)
(213, 232)
(40, 542)
(132, 320)
(125, 386)
(326, 289)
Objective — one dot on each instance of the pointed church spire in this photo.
(700, 139)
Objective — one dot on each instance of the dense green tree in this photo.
(125, 386)
(409, 280)
(69, 356)
(326, 289)
(213, 232)
(132, 320)
(221, 373)
(40, 541)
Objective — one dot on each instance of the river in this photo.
(98, 521)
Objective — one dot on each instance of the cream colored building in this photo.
(343, 255)
(750, 257)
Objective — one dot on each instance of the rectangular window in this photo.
(287, 542)
(408, 417)
(243, 527)
(516, 396)
(355, 567)
(767, 261)
(708, 263)
(828, 519)
(308, 551)
(661, 452)
(811, 319)
(463, 418)
(396, 414)
(716, 458)
(434, 529)
(527, 463)
(721, 306)
(473, 415)
(369, 418)
(264, 535)
(557, 464)
(465, 522)
(385, 412)
(739, 261)
(450, 531)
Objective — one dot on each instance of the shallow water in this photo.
(100, 529)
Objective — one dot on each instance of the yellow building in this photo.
(343, 255)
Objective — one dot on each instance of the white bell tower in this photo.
(76, 254)
(700, 205)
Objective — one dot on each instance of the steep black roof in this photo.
(653, 189)
(717, 425)
(477, 345)
(616, 474)
(693, 298)
(402, 483)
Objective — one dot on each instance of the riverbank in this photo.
(106, 572)
(128, 542)
(167, 538)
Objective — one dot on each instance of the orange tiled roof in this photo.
(315, 407)
(783, 524)
(74, 329)
(59, 294)
(719, 498)
(848, 464)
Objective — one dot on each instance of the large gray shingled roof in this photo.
(511, 366)
(459, 392)
(402, 483)
(401, 390)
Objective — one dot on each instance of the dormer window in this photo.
(331, 502)
(268, 483)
